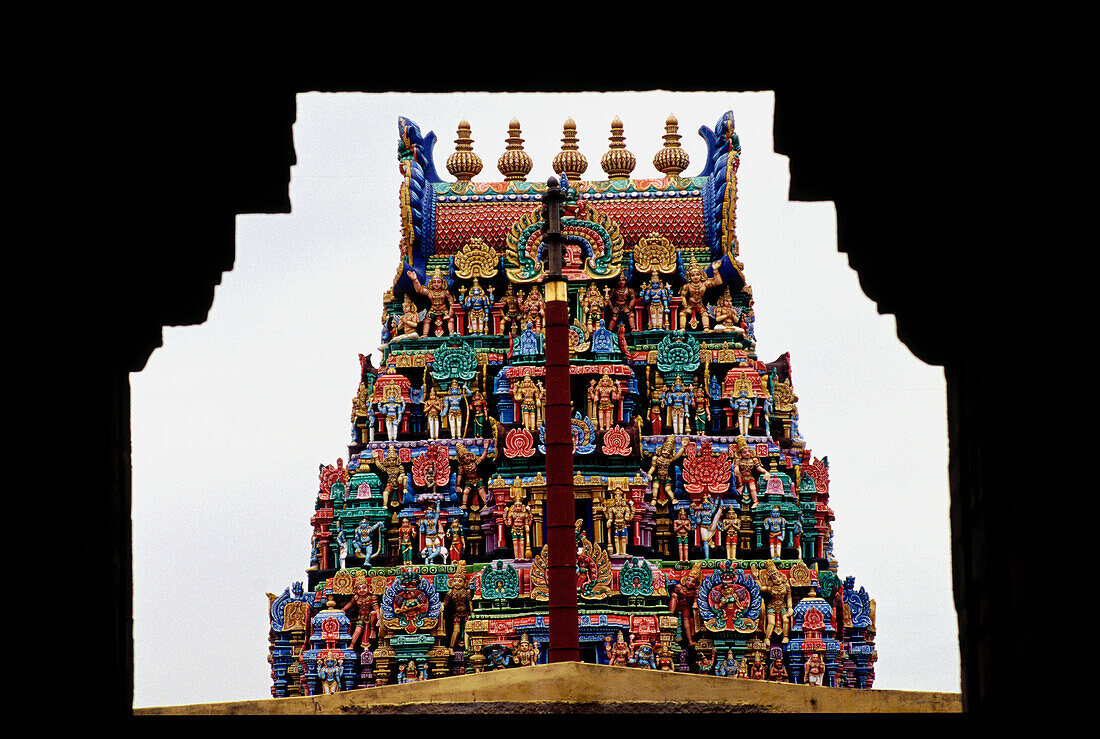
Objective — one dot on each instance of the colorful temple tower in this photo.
(703, 527)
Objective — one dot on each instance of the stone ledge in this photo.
(574, 687)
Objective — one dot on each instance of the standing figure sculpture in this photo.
(619, 513)
(592, 304)
(744, 405)
(477, 305)
(745, 464)
(367, 612)
(534, 309)
(660, 471)
(528, 396)
(702, 408)
(457, 601)
(683, 601)
(396, 477)
(607, 394)
(405, 535)
(510, 310)
(440, 303)
(479, 415)
(777, 587)
(692, 292)
(683, 527)
(621, 301)
(776, 527)
(814, 670)
(526, 651)
(518, 520)
(731, 530)
(433, 411)
(362, 544)
(656, 297)
(457, 538)
(392, 408)
(706, 520)
(452, 408)
(618, 652)
(678, 401)
(468, 478)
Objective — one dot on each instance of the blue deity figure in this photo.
(392, 408)
(679, 400)
(328, 672)
(452, 407)
(341, 544)
(728, 666)
(429, 524)
(776, 526)
(769, 406)
(528, 342)
(656, 297)
(644, 656)
(498, 657)
(705, 517)
(744, 406)
(796, 534)
(362, 543)
(477, 305)
(714, 390)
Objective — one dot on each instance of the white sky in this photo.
(231, 418)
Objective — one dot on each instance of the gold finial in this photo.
(514, 163)
(569, 160)
(618, 163)
(671, 160)
(464, 163)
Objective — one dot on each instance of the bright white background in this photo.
(231, 418)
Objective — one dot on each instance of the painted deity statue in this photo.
(527, 395)
(748, 463)
(778, 671)
(452, 408)
(411, 673)
(693, 310)
(683, 527)
(660, 471)
(328, 671)
(405, 536)
(706, 515)
(619, 514)
(518, 519)
(367, 613)
(731, 530)
(776, 527)
(362, 544)
(592, 304)
(618, 652)
(392, 408)
(726, 318)
(678, 401)
(457, 538)
(405, 325)
(477, 305)
(479, 415)
(433, 411)
(777, 587)
(607, 394)
(511, 309)
(656, 297)
(683, 601)
(528, 343)
(458, 600)
(434, 546)
(814, 671)
(468, 478)
(440, 311)
(396, 477)
(743, 405)
(702, 408)
(665, 662)
(534, 309)
(621, 301)
(526, 651)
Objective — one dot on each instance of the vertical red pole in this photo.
(560, 511)
(562, 564)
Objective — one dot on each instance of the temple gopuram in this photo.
(703, 527)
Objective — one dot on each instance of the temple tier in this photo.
(703, 528)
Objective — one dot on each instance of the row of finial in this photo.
(618, 162)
